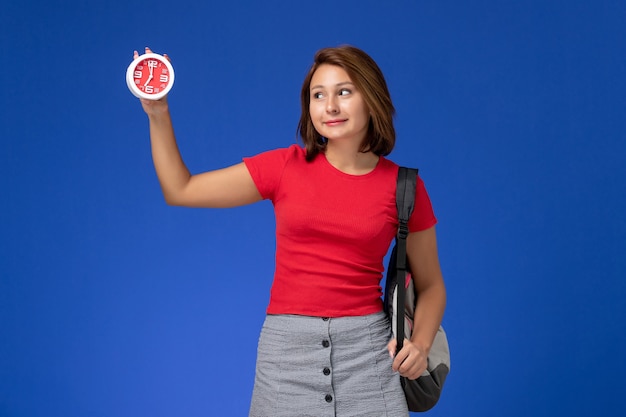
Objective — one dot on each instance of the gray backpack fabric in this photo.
(422, 393)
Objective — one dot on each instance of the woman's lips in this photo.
(334, 122)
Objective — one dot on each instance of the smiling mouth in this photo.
(334, 122)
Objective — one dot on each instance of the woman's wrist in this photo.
(160, 116)
(420, 343)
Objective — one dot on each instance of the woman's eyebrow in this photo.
(336, 85)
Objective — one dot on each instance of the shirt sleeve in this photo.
(423, 216)
(267, 169)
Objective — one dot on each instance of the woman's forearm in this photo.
(171, 170)
(428, 314)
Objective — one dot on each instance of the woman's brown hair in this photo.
(369, 80)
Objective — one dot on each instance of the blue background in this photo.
(113, 304)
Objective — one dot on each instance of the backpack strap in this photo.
(405, 200)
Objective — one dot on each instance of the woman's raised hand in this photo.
(153, 107)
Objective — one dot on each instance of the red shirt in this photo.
(332, 231)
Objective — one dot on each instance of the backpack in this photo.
(422, 393)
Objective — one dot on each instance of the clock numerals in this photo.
(150, 77)
(150, 89)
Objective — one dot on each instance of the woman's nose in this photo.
(331, 105)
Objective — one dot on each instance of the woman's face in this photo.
(337, 109)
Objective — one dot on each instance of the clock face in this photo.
(150, 76)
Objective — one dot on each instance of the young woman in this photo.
(325, 346)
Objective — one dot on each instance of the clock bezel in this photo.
(130, 79)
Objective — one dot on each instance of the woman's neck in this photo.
(349, 159)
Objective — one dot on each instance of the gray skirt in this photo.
(317, 367)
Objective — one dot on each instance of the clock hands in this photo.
(150, 76)
(151, 65)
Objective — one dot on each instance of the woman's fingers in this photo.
(147, 51)
(391, 347)
(410, 362)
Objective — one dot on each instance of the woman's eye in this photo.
(318, 95)
(344, 92)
